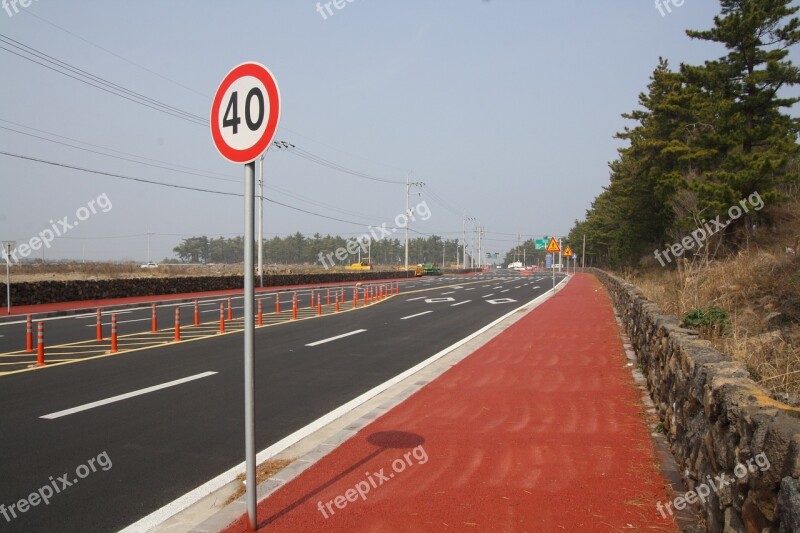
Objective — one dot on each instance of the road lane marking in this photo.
(471, 289)
(488, 295)
(461, 303)
(87, 406)
(505, 291)
(451, 292)
(414, 316)
(412, 299)
(337, 337)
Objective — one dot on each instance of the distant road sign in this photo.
(568, 252)
(245, 113)
(552, 246)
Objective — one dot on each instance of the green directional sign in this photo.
(541, 244)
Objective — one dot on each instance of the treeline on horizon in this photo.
(704, 138)
(300, 249)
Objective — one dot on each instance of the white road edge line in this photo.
(337, 337)
(414, 316)
(171, 509)
(87, 406)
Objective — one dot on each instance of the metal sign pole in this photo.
(8, 278)
(249, 351)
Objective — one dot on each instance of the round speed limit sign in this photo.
(245, 113)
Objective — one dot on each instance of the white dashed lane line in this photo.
(414, 316)
(461, 303)
(343, 335)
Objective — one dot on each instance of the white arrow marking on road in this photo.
(125, 396)
(323, 341)
(414, 316)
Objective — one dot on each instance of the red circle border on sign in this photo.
(263, 74)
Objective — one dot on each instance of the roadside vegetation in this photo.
(703, 140)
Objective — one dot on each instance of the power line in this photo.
(97, 82)
(87, 41)
(172, 185)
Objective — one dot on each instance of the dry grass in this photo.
(264, 471)
(96, 271)
(760, 291)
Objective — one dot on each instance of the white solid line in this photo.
(461, 303)
(87, 406)
(419, 298)
(414, 316)
(337, 337)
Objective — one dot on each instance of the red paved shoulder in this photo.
(541, 429)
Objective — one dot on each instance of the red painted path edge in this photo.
(541, 429)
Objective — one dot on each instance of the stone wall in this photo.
(716, 418)
(81, 290)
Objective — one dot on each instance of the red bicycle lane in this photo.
(541, 429)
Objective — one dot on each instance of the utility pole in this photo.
(408, 209)
(8, 245)
(464, 235)
(480, 249)
(261, 219)
(583, 254)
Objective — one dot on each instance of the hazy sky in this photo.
(505, 109)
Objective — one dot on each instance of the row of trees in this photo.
(705, 137)
(299, 249)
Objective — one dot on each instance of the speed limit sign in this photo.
(245, 113)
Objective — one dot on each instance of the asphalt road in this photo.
(126, 459)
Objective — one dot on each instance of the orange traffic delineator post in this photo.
(397, 287)
(277, 303)
(294, 306)
(40, 344)
(177, 324)
(355, 297)
(230, 310)
(154, 321)
(312, 300)
(319, 306)
(114, 347)
(221, 317)
(99, 325)
(329, 297)
(337, 304)
(196, 313)
(29, 334)
(365, 296)
(260, 311)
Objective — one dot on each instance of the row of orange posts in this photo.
(371, 294)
